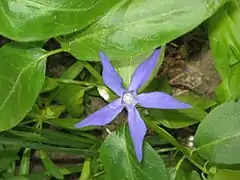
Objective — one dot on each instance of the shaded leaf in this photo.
(8, 156)
(71, 96)
(225, 37)
(183, 170)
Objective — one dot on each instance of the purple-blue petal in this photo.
(144, 71)
(137, 130)
(110, 76)
(103, 116)
(160, 100)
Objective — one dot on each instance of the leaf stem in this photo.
(50, 53)
(163, 133)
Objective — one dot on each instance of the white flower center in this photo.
(129, 98)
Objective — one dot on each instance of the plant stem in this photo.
(50, 53)
(163, 133)
(82, 83)
(186, 151)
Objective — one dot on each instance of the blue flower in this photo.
(129, 98)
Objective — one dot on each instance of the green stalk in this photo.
(186, 151)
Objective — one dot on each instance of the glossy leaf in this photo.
(32, 20)
(22, 71)
(225, 37)
(134, 27)
(218, 136)
(118, 157)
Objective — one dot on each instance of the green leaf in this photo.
(226, 175)
(25, 162)
(233, 82)
(8, 156)
(52, 137)
(182, 169)
(71, 96)
(176, 118)
(71, 73)
(50, 166)
(159, 84)
(218, 136)
(67, 123)
(50, 148)
(134, 27)
(31, 20)
(197, 101)
(12, 177)
(86, 170)
(223, 92)
(22, 71)
(126, 67)
(118, 157)
(49, 85)
(225, 37)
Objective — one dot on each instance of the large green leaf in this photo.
(225, 37)
(29, 20)
(218, 136)
(137, 26)
(118, 157)
(22, 71)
